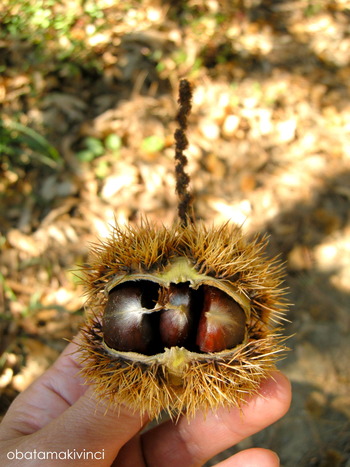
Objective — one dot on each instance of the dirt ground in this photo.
(269, 149)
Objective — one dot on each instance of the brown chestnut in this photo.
(176, 319)
(222, 322)
(127, 323)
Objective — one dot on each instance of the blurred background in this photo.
(88, 95)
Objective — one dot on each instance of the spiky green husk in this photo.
(208, 381)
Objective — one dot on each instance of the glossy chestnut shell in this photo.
(145, 317)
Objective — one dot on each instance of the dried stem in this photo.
(182, 178)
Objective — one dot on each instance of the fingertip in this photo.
(254, 457)
(270, 403)
(278, 388)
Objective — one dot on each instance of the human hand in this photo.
(57, 414)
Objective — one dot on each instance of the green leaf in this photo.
(113, 142)
(85, 155)
(102, 169)
(14, 134)
(94, 145)
(153, 144)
